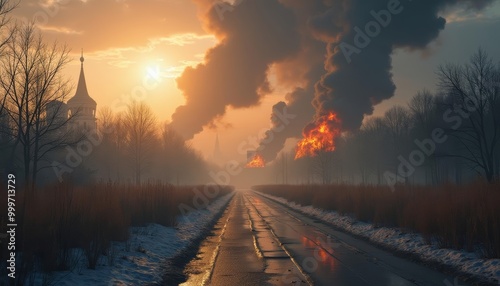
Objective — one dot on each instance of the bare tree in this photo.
(173, 146)
(423, 110)
(422, 107)
(6, 6)
(140, 124)
(106, 119)
(397, 121)
(374, 146)
(34, 94)
(109, 152)
(178, 161)
(475, 92)
(322, 165)
(280, 166)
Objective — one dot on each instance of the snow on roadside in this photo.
(466, 262)
(139, 260)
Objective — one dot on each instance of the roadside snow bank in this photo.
(466, 262)
(139, 260)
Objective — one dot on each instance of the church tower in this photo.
(82, 106)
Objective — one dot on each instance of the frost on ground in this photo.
(139, 260)
(466, 262)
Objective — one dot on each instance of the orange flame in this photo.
(319, 138)
(256, 162)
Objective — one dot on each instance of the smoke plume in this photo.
(361, 37)
(302, 71)
(252, 36)
(338, 53)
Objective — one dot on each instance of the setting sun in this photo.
(154, 72)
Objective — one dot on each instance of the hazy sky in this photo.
(139, 47)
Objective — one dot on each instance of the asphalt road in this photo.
(260, 242)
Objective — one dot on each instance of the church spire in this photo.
(217, 151)
(81, 106)
(82, 85)
(82, 59)
(82, 95)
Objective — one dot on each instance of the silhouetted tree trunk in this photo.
(6, 140)
(32, 84)
(474, 115)
(423, 111)
(397, 120)
(323, 166)
(140, 124)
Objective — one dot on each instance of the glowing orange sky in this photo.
(126, 41)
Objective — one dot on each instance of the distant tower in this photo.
(82, 106)
(217, 151)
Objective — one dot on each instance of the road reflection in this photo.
(322, 251)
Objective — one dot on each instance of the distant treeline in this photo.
(450, 136)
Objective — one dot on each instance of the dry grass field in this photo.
(456, 216)
(62, 217)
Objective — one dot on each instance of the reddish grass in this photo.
(456, 216)
(61, 217)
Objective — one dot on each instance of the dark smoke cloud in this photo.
(302, 40)
(253, 35)
(299, 107)
(298, 102)
(301, 72)
(353, 86)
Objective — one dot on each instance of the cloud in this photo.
(103, 24)
(182, 40)
(60, 30)
(179, 44)
(252, 36)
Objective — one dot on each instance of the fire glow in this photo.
(321, 137)
(256, 162)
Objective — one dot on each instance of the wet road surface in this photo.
(260, 242)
